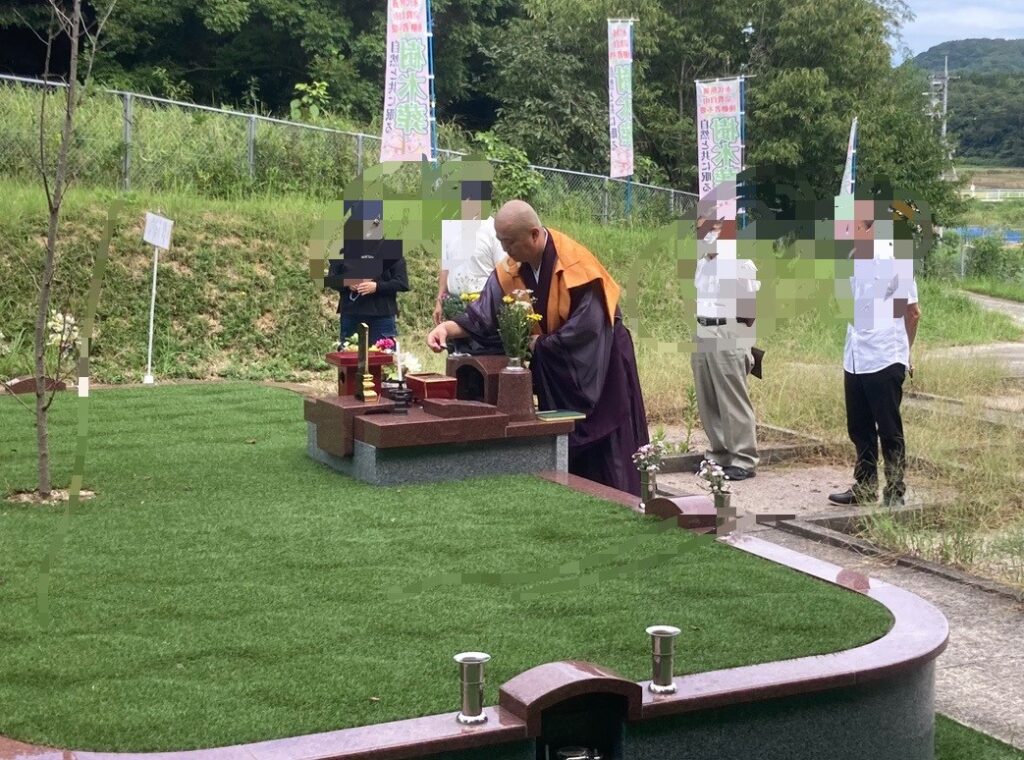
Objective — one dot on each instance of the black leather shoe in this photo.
(738, 473)
(892, 500)
(849, 498)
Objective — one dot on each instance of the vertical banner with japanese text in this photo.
(406, 133)
(850, 170)
(719, 134)
(620, 96)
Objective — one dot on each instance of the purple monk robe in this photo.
(589, 366)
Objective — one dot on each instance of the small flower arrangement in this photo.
(384, 345)
(516, 319)
(648, 457)
(713, 474)
(453, 306)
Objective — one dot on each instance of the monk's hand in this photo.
(437, 339)
(366, 288)
(533, 342)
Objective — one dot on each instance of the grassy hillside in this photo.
(236, 301)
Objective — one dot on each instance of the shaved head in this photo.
(517, 217)
(520, 232)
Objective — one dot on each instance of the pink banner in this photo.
(719, 134)
(620, 97)
(406, 132)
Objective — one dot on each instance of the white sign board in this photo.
(158, 231)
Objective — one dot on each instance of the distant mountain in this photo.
(978, 56)
(986, 100)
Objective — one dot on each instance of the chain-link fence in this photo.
(139, 142)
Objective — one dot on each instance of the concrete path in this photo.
(1010, 354)
(980, 676)
(1013, 309)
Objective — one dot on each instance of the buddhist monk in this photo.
(582, 355)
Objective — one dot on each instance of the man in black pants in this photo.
(876, 358)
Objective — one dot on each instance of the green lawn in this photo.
(223, 588)
(954, 741)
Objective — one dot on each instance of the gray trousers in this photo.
(720, 364)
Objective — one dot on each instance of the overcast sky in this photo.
(941, 20)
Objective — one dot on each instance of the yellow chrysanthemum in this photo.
(535, 317)
(508, 299)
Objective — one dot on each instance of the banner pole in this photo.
(148, 379)
(743, 149)
(430, 76)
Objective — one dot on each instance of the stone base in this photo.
(450, 461)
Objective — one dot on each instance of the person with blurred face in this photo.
(876, 357)
(469, 246)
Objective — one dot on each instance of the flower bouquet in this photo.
(516, 319)
(453, 306)
(648, 462)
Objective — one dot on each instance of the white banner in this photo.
(719, 133)
(406, 133)
(846, 188)
(620, 97)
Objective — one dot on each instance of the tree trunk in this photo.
(49, 262)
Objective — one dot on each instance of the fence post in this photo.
(126, 171)
(604, 212)
(251, 140)
(359, 154)
(671, 203)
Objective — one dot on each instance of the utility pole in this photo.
(940, 94)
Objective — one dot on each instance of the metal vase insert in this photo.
(662, 655)
(471, 667)
(725, 514)
(648, 488)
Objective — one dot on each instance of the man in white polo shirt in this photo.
(722, 356)
(469, 246)
(876, 358)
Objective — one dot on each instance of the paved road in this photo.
(980, 676)
(1010, 354)
(1013, 309)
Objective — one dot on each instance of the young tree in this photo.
(67, 23)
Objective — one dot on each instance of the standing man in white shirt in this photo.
(876, 358)
(722, 357)
(469, 246)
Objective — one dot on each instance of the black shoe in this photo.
(850, 498)
(892, 500)
(738, 473)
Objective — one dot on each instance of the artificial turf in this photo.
(954, 741)
(224, 588)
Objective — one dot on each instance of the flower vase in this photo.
(725, 514)
(515, 392)
(648, 488)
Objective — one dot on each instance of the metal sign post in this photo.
(158, 234)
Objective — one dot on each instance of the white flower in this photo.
(410, 364)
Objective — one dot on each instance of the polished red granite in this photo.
(341, 420)
(27, 384)
(696, 513)
(347, 363)
(530, 693)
